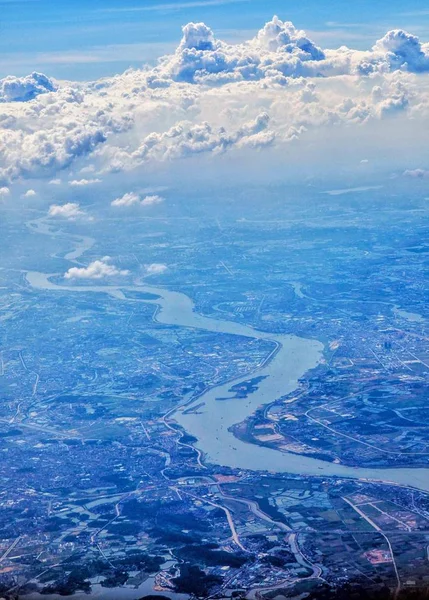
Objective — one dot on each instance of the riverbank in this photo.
(211, 426)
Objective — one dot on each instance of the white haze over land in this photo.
(277, 97)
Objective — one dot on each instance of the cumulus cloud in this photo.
(133, 199)
(209, 97)
(201, 58)
(151, 200)
(98, 269)
(23, 89)
(280, 51)
(29, 193)
(4, 192)
(70, 211)
(155, 269)
(41, 137)
(83, 182)
(187, 139)
(128, 199)
(402, 50)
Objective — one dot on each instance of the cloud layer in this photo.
(207, 98)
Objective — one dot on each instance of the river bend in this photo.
(212, 422)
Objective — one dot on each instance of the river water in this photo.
(210, 425)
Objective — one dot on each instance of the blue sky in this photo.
(86, 39)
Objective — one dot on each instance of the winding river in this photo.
(211, 422)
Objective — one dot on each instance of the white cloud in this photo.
(4, 192)
(98, 269)
(83, 182)
(200, 57)
(187, 139)
(23, 89)
(281, 50)
(402, 50)
(128, 199)
(153, 199)
(133, 199)
(29, 194)
(155, 269)
(207, 98)
(71, 211)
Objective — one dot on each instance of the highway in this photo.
(377, 528)
(229, 517)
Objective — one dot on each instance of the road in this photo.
(358, 441)
(377, 528)
(231, 524)
(11, 547)
(254, 508)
